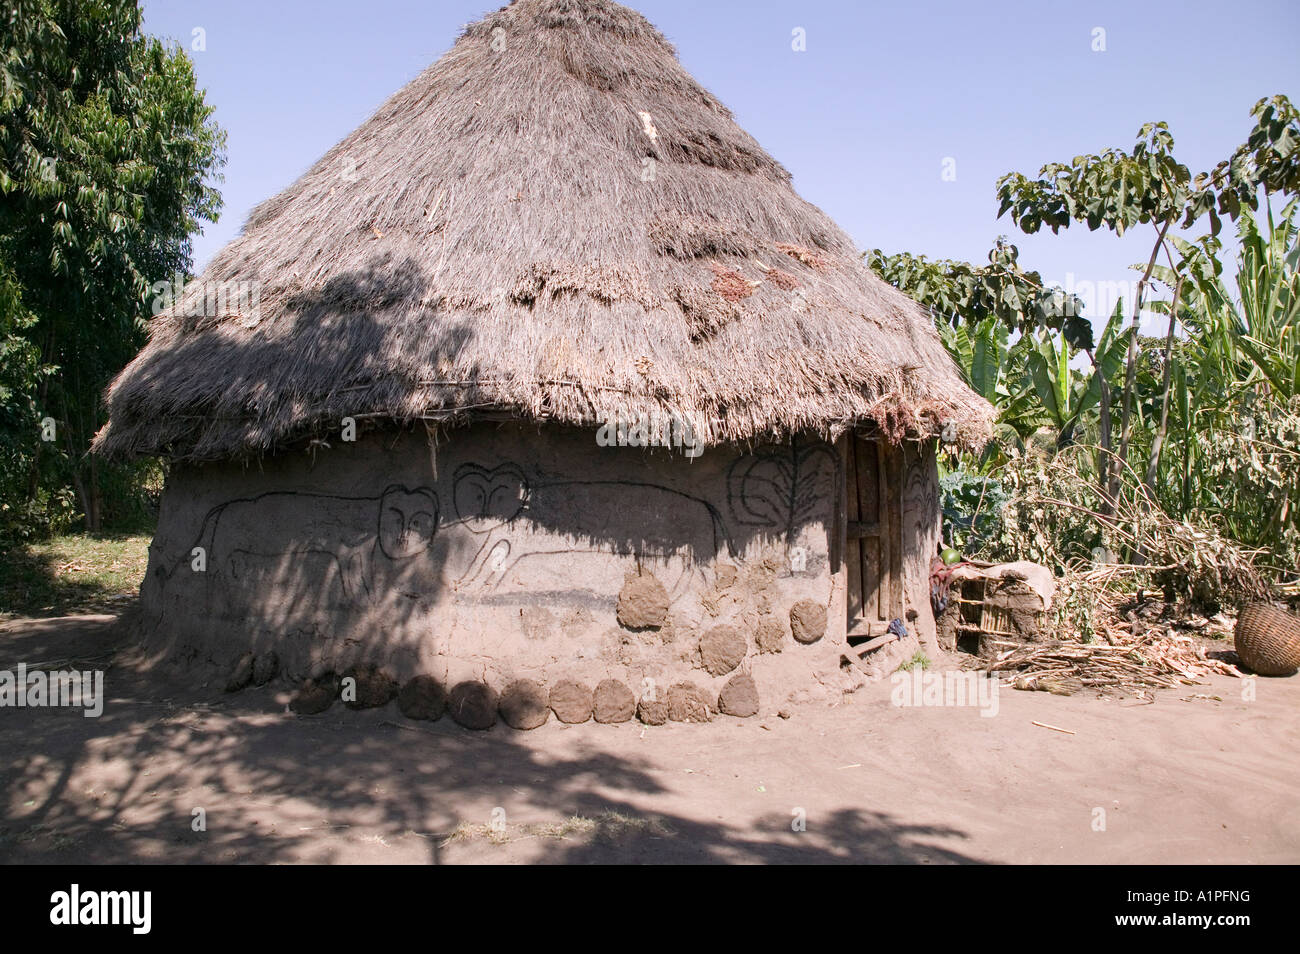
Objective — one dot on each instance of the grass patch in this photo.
(919, 658)
(608, 826)
(74, 573)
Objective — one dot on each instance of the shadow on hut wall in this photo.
(648, 504)
(713, 507)
(278, 549)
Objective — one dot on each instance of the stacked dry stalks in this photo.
(1147, 662)
(1126, 656)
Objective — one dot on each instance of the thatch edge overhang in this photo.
(248, 440)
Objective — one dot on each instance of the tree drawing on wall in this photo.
(779, 487)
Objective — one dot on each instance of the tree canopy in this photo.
(108, 155)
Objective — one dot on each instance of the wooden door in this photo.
(873, 538)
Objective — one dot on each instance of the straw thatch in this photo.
(553, 221)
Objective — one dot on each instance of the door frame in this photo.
(887, 531)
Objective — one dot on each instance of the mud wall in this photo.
(500, 553)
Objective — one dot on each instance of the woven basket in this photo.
(1268, 639)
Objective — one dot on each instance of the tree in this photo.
(1118, 190)
(959, 293)
(977, 309)
(107, 148)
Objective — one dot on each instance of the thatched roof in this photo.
(554, 221)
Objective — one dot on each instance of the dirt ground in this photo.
(1198, 776)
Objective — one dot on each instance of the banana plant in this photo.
(980, 351)
(1238, 366)
(1247, 338)
(1268, 284)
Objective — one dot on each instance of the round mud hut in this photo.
(546, 377)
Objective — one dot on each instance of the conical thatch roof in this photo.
(556, 221)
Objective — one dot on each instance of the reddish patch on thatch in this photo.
(705, 314)
(896, 417)
(803, 255)
(782, 279)
(730, 284)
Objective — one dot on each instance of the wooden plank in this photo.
(869, 495)
(871, 588)
(854, 512)
(838, 516)
(868, 467)
(852, 546)
(895, 484)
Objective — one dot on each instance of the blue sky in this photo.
(864, 118)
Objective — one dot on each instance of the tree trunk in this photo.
(94, 517)
(34, 474)
(86, 507)
(1158, 443)
(1104, 437)
(85, 493)
(1130, 363)
(1126, 407)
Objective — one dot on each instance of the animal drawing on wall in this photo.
(782, 488)
(542, 535)
(349, 548)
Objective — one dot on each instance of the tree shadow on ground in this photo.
(368, 785)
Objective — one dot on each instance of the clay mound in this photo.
(687, 702)
(423, 697)
(807, 621)
(525, 704)
(266, 666)
(613, 702)
(739, 697)
(315, 695)
(241, 674)
(374, 687)
(642, 603)
(473, 705)
(769, 637)
(652, 709)
(572, 702)
(721, 650)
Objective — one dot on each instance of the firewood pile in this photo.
(1136, 647)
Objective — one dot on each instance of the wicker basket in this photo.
(1268, 639)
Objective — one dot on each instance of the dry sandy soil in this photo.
(1198, 776)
